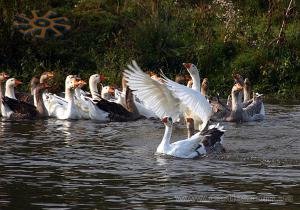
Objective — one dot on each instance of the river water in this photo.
(56, 164)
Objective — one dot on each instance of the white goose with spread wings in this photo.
(197, 145)
(168, 98)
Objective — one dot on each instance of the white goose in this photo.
(15, 109)
(197, 145)
(80, 101)
(63, 108)
(171, 99)
(94, 112)
(10, 93)
(194, 73)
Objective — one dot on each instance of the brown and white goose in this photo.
(103, 110)
(28, 97)
(253, 112)
(16, 109)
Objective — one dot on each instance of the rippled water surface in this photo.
(54, 164)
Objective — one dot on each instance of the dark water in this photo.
(56, 164)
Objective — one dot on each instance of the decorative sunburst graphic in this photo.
(50, 25)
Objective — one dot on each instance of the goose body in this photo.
(80, 102)
(103, 110)
(63, 108)
(196, 145)
(29, 97)
(141, 107)
(168, 98)
(16, 109)
(253, 112)
(171, 99)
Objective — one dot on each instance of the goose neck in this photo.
(10, 91)
(196, 82)
(38, 102)
(94, 90)
(247, 94)
(69, 94)
(167, 136)
(236, 101)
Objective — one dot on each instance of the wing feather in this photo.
(196, 102)
(154, 95)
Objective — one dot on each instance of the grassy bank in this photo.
(221, 37)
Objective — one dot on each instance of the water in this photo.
(55, 164)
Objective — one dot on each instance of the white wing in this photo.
(196, 102)
(155, 96)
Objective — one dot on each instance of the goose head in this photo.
(238, 79)
(96, 78)
(33, 84)
(167, 121)
(180, 79)
(81, 83)
(247, 84)
(72, 84)
(236, 89)
(155, 76)
(69, 78)
(191, 68)
(46, 76)
(190, 83)
(235, 95)
(3, 76)
(204, 87)
(107, 91)
(12, 82)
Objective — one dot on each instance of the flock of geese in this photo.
(142, 96)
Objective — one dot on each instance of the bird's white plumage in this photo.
(196, 103)
(154, 95)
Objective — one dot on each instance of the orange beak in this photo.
(102, 77)
(82, 82)
(111, 90)
(50, 74)
(18, 82)
(239, 87)
(165, 120)
(187, 65)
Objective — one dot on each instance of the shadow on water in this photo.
(55, 164)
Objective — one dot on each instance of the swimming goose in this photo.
(108, 92)
(253, 112)
(16, 109)
(197, 145)
(247, 96)
(168, 99)
(103, 110)
(3, 77)
(80, 102)
(63, 108)
(28, 97)
(204, 87)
